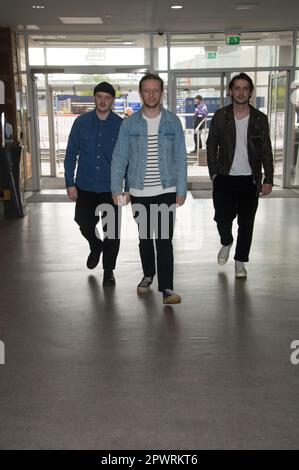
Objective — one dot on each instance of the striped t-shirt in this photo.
(152, 180)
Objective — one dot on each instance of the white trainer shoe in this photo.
(240, 269)
(144, 286)
(224, 254)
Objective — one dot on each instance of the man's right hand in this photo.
(72, 193)
(121, 199)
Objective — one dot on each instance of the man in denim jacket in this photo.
(87, 175)
(151, 152)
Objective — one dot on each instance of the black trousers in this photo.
(155, 217)
(86, 218)
(195, 124)
(235, 196)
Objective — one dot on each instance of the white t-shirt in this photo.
(152, 180)
(240, 165)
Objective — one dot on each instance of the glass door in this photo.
(277, 119)
(192, 93)
(61, 98)
(294, 177)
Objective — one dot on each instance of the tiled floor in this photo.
(88, 367)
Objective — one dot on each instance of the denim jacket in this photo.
(130, 153)
(89, 151)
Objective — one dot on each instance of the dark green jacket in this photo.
(221, 144)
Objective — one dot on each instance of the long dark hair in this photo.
(241, 76)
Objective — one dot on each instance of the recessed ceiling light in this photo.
(176, 7)
(246, 6)
(32, 26)
(78, 20)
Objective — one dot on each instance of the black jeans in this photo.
(86, 218)
(156, 222)
(195, 124)
(235, 196)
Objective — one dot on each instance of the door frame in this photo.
(34, 133)
(33, 103)
(198, 73)
(287, 138)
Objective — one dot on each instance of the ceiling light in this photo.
(38, 7)
(32, 26)
(176, 7)
(78, 20)
(245, 6)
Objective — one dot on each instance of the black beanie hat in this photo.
(105, 87)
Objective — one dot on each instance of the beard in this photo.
(240, 100)
(151, 104)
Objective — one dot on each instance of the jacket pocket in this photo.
(86, 142)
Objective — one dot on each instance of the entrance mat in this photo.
(48, 198)
(207, 193)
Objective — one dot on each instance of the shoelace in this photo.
(146, 281)
(167, 292)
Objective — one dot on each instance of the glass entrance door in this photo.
(63, 97)
(185, 88)
(277, 120)
(294, 176)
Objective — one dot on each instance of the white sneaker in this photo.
(169, 297)
(240, 269)
(224, 254)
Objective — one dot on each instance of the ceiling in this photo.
(121, 16)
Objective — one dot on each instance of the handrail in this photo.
(203, 121)
(201, 126)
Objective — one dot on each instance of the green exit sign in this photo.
(232, 40)
(211, 55)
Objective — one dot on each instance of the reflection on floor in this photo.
(88, 367)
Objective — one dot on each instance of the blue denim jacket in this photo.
(130, 153)
(90, 146)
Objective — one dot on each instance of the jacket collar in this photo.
(253, 117)
(95, 116)
(253, 111)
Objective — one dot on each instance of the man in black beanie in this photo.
(87, 176)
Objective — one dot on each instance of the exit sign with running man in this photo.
(233, 40)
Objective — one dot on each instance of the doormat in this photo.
(276, 193)
(48, 198)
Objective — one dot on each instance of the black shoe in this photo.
(108, 279)
(93, 259)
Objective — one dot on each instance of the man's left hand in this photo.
(266, 189)
(127, 196)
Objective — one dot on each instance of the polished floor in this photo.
(94, 368)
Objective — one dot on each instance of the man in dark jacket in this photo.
(238, 147)
(88, 178)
